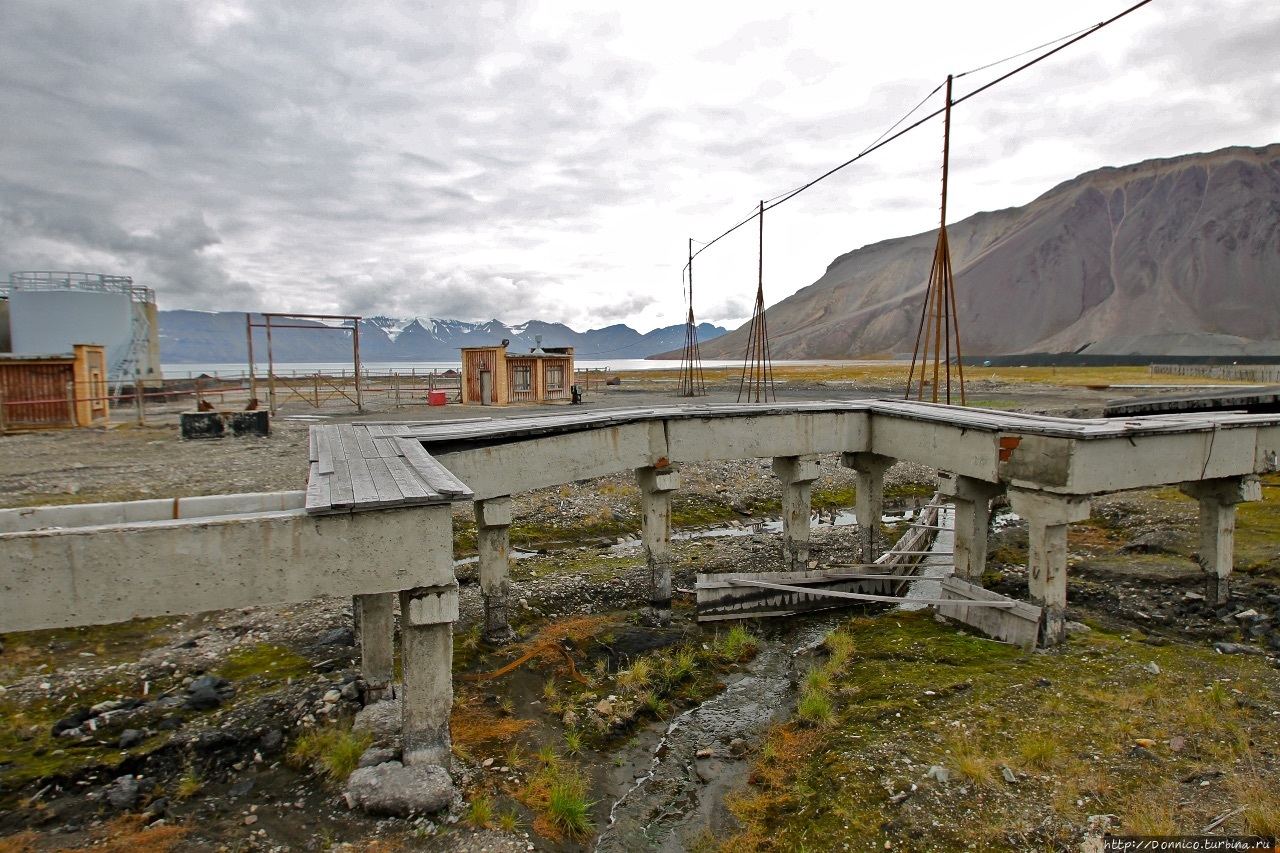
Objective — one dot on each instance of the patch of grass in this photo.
(1260, 796)
(815, 708)
(557, 794)
(479, 811)
(265, 659)
(127, 834)
(736, 645)
(569, 810)
(573, 742)
(332, 750)
(637, 677)
(474, 725)
(1039, 750)
(189, 784)
(508, 821)
(972, 763)
(907, 686)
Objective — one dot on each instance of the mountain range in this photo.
(219, 338)
(1176, 256)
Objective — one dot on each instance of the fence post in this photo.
(3, 427)
(316, 381)
(395, 385)
(71, 403)
(137, 398)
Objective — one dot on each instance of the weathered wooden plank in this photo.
(859, 596)
(414, 490)
(969, 604)
(389, 493)
(318, 500)
(438, 477)
(364, 441)
(324, 447)
(313, 452)
(364, 492)
(387, 448)
(341, 493)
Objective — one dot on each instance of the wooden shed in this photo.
(491, 376)
(51, 391)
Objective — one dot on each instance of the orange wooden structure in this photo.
(491, 376)
(54, 391)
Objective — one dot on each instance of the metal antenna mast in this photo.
(692, 382)
(757, 365)
(938, 326)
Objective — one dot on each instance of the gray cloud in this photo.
(463, 160)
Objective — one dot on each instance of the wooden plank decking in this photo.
(356, 467)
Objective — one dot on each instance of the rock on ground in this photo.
(393, 789)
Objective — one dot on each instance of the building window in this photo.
(522, 378)
(555, 377)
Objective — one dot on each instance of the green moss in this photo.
(832, 497)
(276, 662)
(911, 687)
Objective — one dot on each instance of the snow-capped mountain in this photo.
(204, 337)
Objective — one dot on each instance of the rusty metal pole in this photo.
(355, 345)
(253, 382)
(271, 367)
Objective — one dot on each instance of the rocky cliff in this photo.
(1175, 256)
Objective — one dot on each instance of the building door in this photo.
(486, 387)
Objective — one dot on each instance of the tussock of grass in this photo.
(737, 644)
(333, 751)
(479, 811)
(557, 794)
(264, 659)
(1039, 750)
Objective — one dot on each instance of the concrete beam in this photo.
(797, 474)
(111, 573)
(540, 461)
(762, 436)
(1117, 463)
(869, 470)
(159, 509)
(949, 447)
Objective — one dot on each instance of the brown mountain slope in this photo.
(1166, 256)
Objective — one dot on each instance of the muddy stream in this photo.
(668, 785)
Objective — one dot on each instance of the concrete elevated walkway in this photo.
(78, 565)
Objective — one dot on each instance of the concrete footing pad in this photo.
(399, 791)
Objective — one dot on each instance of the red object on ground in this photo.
(435, 398)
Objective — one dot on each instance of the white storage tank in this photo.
(51, 312)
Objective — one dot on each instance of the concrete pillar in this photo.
(1218, 499)
(868, 469)
(427, 615)
(797, 474)
(493, 540)
(375, 624)
(1047, 518)
(656, 486)
(971, 503)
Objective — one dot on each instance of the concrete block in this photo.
(434, 605)
(494, 512)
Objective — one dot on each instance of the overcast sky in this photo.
(550, 160)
